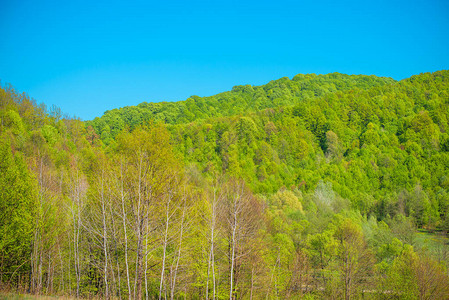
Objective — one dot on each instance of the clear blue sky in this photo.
(90, 56)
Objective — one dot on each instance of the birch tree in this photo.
(149, 176)
(241, 216)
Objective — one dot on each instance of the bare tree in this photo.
(431, 279)
(355, 261)
(168, 216)
(182, 229)
(124, 219)
(240, 221)
(149, 182)
(211, 259)
(78, 190)
(105, 236)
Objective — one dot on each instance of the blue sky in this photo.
(90, 56)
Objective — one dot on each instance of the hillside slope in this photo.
(240, 100)
(381, 144)
(385, 149)
(284, 202)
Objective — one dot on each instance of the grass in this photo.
(18, 296)
(436, 244)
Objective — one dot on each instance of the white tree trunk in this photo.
(167, 222)
(103, 211)
(233, 242)
(172, 291)
(125, 233)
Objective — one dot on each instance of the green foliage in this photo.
(18, 210)
(241, 100)
(377, 141)
(13, 120)
(345, 168)
(50, 134)
(378, 137)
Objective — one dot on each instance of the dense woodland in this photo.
(319, 187)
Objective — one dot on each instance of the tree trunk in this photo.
(172, 290)
(105, 251)
(234, 228)
(167, 220)
(124, 229)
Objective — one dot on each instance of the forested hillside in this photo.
(385, 149)
(241, 100)
(320, 187)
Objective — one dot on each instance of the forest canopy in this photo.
(320, 186)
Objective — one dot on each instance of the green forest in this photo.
(317, 187)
